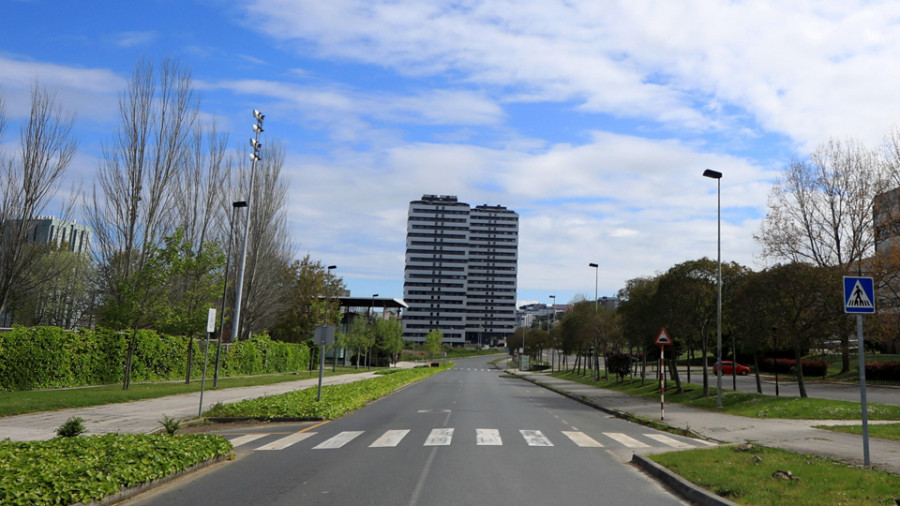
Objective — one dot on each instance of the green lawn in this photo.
(745, 403)
(746, 477)
(17, 403)
(883, 431)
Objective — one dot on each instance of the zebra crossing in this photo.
(444, 436)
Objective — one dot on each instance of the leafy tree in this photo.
(388, 339)
(358, 336)
(310, 287)
(433, 342)
(63, 301)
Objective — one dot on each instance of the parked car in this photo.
(728, 366)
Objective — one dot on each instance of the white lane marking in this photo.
(626, 440)
(238, 441)
(583, 440)
(666, 440)
(535, 438)
(439, 437)
(338, 441)
(389, 439)
(281, 444)
(488, 437)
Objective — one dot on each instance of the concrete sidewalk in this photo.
(143, 416)
(795, 435)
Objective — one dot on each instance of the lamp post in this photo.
(254, 157)
(322, 344)
(234, 208)
(328, 303)
(718, 177)
(596, 312)
(550, 323)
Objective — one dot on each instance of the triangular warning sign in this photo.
(858, 297)
(663, 338)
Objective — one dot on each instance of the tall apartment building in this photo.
(460, 271)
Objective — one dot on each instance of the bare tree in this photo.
(201, 187)
(821, 211)
(269, 251)
(28, 183)
(132, 198)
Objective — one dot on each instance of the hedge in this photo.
(50, 357)
(883, 370)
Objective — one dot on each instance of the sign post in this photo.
(324, 336)
(859, 298)
(210, 328)
(662, 340)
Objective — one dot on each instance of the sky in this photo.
(594, 120)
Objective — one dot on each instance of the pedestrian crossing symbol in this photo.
(859, 295)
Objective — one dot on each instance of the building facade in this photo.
(460, 275)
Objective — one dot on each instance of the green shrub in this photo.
(73, 427)
(171, 425)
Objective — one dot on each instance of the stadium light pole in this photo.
(718, 177)
(254, 157)
(234, 208)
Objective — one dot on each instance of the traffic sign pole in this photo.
(859, 298)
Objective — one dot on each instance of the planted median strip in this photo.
(68, 470)
(337, 400)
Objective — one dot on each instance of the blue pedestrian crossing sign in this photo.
(859, 295)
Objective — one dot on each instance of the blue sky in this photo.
(594, 120)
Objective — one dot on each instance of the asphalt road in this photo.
(464, 436)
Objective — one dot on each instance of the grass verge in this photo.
(337, 400)
(85, 469)
(18, 403)
(748, 477)
(745, 403)
(883, 431)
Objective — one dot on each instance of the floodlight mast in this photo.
(254, 157)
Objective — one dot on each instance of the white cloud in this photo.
(806, 69)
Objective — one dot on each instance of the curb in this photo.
(128, 493)
(682, 487)
(237, 419)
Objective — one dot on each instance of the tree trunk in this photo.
(190, 357)
(758, 380)
(129, 356)
(673, 372)
(800, 385)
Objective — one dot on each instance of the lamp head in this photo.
(240, 203)
(593, 265)
(258, 116)
(332, 267)
(257, 129)
(712, 174)
(255, 144)
(254, 157)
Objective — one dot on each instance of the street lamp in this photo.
(325, 330)
(550, 323)
(254, 157)
(718, 177)
(234, 208)
(596, 311)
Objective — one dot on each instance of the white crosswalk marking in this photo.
(242, 440)
(389, 439)
(625, 440)
(583, 440)
(488, 437)
(666, 440)
(535, 438)
(439, 437)
(281, 444)
(338, 441)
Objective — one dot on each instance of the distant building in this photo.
(47, 229)
(460, 274)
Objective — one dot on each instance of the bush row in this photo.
(788, 366)
(883, 370)
(50, 357)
